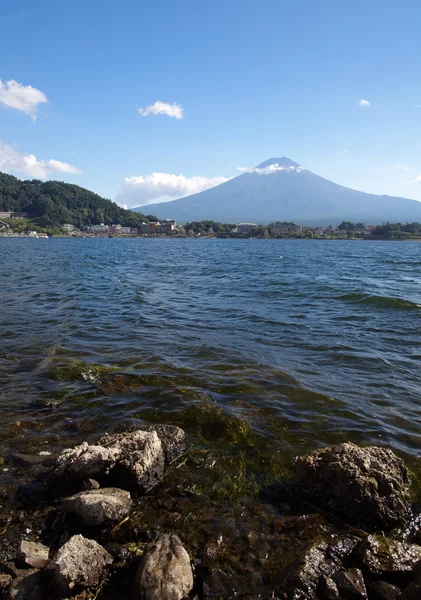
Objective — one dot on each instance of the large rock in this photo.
(74, 465)
(132, 461)
(80, 563)
(390, 559)
(33, 554)
(369, 486)
(173, 440)
(94, 507)
(140, 463)
(305, 574)
(165, 571)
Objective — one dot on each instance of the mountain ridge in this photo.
(281, 189)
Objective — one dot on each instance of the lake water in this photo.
(291, 344)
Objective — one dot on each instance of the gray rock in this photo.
(351, 584)
(369, 486)
(383, 557)
(27, 586)
(327, 589)
(95, 507)
(74, 465)
(140, 460)
(301, 577)
(132, 461)
(173, 441)
(80, 563)
(164, 572)
(381, 590)
(33, 554)
(413, 592)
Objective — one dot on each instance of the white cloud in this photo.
(163, 108)
(27, 164)
(274, 168)
(365, 103)
(346, 151)
(417, 179)
(21, 97)
(144, 189)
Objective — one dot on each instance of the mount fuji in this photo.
(280, 189)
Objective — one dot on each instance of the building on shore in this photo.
(166, 226)
(68, 227)
(13, 215)
(246, 227)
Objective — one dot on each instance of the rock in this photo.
(74, 465)
(350, 584)
(5, 583)
(390, 559)
(80, 563)
(33, 554)
(91, 484)
(25, 460)
(301, 577)
(95, 507)
(8, 568)
(27, 586)
(327, 589)
(381, 590)
(173, 441)
(132, 461)
(369, 486)
(164, 572)
(140, 463)
(413, 592)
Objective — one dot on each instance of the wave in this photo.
(380, 301)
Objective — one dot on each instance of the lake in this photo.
(276, 346)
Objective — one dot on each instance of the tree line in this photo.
(50, 204)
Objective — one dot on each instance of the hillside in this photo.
(53, 203)
(282, 190)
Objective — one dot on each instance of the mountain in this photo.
(280, 189)
(53, 203)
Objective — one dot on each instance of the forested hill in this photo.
(53, 203)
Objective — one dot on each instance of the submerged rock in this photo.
(381, 590)
(33, 554)
(80, 563)
(165, 571)
(303, 576)
(351, 584)
(369, 486)
(94, 507)
(383, 557)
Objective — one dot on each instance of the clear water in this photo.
(295, 344)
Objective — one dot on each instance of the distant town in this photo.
(20, 225)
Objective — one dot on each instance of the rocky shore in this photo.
(341, 528)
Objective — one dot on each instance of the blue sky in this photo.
(252, 79)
